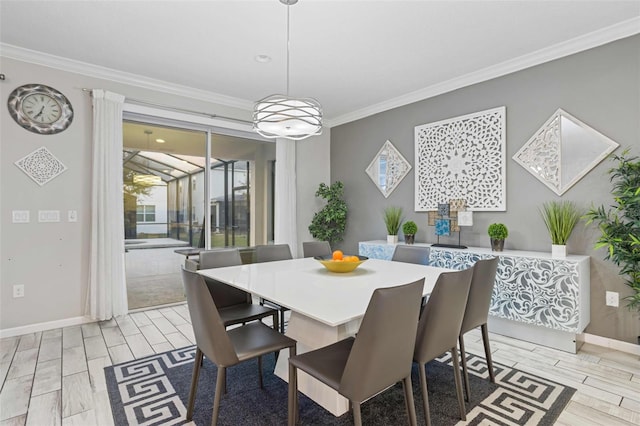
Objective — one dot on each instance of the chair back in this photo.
(382, 352)
(208, 328)
(273, 252)
(316, 248)
(411, 254)
(484, 277)
(223, 294)
(441, 319)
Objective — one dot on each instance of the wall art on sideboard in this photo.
(462, 158)
(41, 165)
(388, 168)
(562, 151)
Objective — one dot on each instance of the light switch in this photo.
(48, 215)
(20, 216)
(72, 216)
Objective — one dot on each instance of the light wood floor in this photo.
(56, 377)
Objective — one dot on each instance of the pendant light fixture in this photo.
(282, 116)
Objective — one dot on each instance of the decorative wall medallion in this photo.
(462, 158)
(388, 168)
(562, 151)
(41, 165)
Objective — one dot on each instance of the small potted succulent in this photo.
(409, 229)
(498, 232)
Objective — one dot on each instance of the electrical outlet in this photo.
(20, 216)
(18, 290)
(613, 298)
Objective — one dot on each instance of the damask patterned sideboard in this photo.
(536, 298)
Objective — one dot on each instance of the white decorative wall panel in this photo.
(462, 158)
(41, 165)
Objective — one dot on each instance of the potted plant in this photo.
(620, 225)
(392, 220)
(330, 222)
(409, 229)
(560, 217)
(498, 232)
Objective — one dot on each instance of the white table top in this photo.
(305, 286)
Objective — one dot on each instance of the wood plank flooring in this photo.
(56, 377)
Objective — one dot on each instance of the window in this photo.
(146, 214)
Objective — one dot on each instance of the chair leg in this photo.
(293, 396)
(276, 324)
(465, 374)
(408, 399)
(425, 392)
(282, 321)
(220, 382)
(260, 372)
(357, 416)
(456, 375)
(197, 362)
(487, 352)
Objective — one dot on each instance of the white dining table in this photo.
(325, 306)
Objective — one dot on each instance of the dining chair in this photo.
(234, 305)
(272, 253)
(224, 348)
(411, 254)
(316, 248)
(477, 312)
(439, 328)
(379, 356)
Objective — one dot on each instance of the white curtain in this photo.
(107, 296)
(285, 227)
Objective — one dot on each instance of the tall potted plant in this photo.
(620, 225)
(330, 222)
(560, 217)
(392, 220)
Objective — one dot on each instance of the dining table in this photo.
(326, 307)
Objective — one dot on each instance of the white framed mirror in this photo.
(388, 168)
(563, 150)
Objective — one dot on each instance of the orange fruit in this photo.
(338, 255)
(354, 259)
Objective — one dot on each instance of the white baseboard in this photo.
(606, 342)
(42, 326)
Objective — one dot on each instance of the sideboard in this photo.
(536, 297)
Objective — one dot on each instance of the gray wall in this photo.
(600, 86)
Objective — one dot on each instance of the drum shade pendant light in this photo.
(282, 116)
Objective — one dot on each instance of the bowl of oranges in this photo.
(339, 262)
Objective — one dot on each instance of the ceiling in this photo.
(355, 57)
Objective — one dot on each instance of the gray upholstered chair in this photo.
(377, 358)
(411, 254)
(439, 329)
(234, 305)
(224, 348)
(316, 248)
(477, 312)
(272, 253)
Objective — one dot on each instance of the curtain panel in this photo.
(107, 295)
(285, 226)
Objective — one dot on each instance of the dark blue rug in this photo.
(154, 391)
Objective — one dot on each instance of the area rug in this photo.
(154, 391)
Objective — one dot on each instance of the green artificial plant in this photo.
(330, 222)
(560, 217)
(620, 224)
(409, 228)
(498, 231)
(392, 219)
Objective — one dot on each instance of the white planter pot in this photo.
(558, 250)
(392, 239)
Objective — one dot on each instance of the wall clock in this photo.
(40, 109)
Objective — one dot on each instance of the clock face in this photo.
(40, 109)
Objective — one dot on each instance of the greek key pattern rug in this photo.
(154, 391)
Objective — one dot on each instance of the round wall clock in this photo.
(40, 109)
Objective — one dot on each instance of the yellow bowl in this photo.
(340, 266)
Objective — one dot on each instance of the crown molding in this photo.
(578, 44)
(96, 71)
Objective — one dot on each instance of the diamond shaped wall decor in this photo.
(41, 165)
(388, 168)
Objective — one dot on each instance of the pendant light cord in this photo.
(288, 47)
